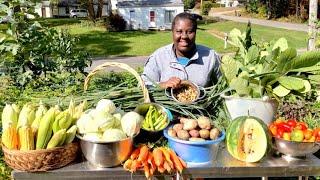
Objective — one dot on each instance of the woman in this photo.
(182, 60)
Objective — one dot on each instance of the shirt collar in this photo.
(194, 57)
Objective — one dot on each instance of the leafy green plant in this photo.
(273, 69)
(189, 4)
(206, 7)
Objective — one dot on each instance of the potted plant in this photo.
(259, 75)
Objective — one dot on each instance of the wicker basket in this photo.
(122, 66)
(41, 160)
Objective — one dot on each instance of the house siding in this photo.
(141, 19)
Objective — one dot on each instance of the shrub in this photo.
(115, 22)
(252, 6)
(206, 6)
(189, 4)
(262, 11)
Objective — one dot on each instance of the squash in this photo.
(248, 139)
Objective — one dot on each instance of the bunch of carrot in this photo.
(160, 158)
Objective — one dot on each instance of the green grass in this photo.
(296, 39)
(99, 42)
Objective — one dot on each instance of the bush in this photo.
(189, 4)
(206, 6)
(115, 22)
(252, 6)
(262, 11)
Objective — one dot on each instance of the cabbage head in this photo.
(106, 105)
(113, 135)
(131, 123)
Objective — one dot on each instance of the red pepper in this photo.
(292, 123)
(285, 127)
(301, 125)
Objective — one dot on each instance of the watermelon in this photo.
(248, 139)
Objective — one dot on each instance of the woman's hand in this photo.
(173, 82)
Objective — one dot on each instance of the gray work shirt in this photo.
(202, 68)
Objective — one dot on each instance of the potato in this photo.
(178, 127)
(214, 133)
(196, 139)
(204, 122)
(183, 134)
(183, 120)
(190, 124)
(172, 132)
(194, 133)
(204, 133)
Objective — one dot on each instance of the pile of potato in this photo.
(199, 129)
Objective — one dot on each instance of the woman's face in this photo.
(184, 36)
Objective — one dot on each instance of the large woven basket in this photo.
(41, 160)
(122, 66)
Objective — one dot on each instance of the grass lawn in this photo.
(99, 42)
(296, 39)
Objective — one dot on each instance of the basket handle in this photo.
(122, 66)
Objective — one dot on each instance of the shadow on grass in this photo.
(99, 43)
(52, 22)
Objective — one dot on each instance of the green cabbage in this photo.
(131, 123)
(113, 135)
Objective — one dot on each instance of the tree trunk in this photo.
(91, 10)
(297, 8)
(313, 12)
(100, 7)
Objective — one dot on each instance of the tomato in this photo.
(307, 134)
(312, 139)
(297, 135)
(301, 125)
(273, 129)
(318, 139)
(284, 126)
(277, 121)
(316, 132)
(286, 136)
(280, 132)
(292, 123)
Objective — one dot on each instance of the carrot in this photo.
(127, 164)
(167, 166)
(184, 164)
(135, 153)
(152, 169)
(151, 161)
(157, 155)
(146, 170)
(176, 160)
(143, 155)
(135, 165)
(161, 169)
(167, 156)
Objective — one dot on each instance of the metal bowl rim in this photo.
(105, 142)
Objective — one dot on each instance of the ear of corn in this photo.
(45, 129)
(57, 139)
(71, 133)
(79, 110)
(26, 115)
(9, 116)
(26, 138)
(10, 137)
(62, 121)
(39, 114)
(72, 108)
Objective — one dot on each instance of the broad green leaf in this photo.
(307, 69)
(256, 90)
(234, 36)
(244, 75)
(291, 83)
(306, 59)
(285, 57)
(314, 78)
(229, 68)
(253, 54)
(264, 53)
(281, 91)
(282, 44)
(306, 88)
(240, 85)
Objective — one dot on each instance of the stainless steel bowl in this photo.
(106, 154)
(296, 149)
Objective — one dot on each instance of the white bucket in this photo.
(263, 109)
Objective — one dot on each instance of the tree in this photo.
(313, 12)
